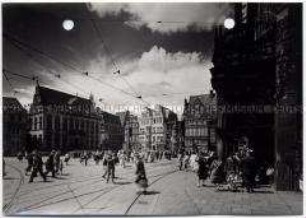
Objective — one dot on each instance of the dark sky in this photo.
(157, 48)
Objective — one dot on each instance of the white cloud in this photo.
(159, 76)
(173, 16)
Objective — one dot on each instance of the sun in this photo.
(68, 24)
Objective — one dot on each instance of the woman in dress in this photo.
(216, 175)
(141, 178)
(202, 169)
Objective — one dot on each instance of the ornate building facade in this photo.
(130, 126)
(15, 126)
(63, 121)
(199, 118)
(257, 75)
(111, 132)
(155, 128)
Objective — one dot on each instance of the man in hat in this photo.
(57, 161)
(248, 171)
(50, 166)
(110, 167)
(37, 166)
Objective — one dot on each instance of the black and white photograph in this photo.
(159, 108)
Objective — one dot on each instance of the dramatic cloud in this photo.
(166, 17)
(158, 76)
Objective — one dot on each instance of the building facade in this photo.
(63, 121)
(199, 118)
(15, 126)
(155, 128)
(257, 75)
(111, 132)
(130, 126)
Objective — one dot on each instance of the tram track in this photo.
(138, 195)
(8, 206)
(104, 190)
(84, 179)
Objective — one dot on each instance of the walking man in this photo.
(37, 166)
(57, 161)
(50, 164)
(30, 163)
(110, 163)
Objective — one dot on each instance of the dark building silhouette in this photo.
(63, 121)
(111, 132)
(257, 75)
(15, 126)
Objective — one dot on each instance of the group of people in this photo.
(53, 164)
(239, 169)
(111, 159)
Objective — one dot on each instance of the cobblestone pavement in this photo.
(81, 190)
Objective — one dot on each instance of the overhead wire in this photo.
(58, 76)
(10, 38)
(109, 53)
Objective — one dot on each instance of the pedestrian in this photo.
(202, 170)
(57, 161)
(3, 167)
(248, 171)
(37, 167)
(67, 158)
(216, 173)
(20, 156)
(29, 158)
(192, 161)
(122, 158)
(96, 157)
(104, 163)
(111, 161)
(141, 178)
(85, 158)
(186, 161)
(50, 166)
(181, 160)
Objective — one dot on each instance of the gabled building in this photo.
(63, 121)
(199, 119)
(111, 134)
(15, 126)
(155, 128)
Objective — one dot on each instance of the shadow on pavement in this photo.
(123, 183)
(263, 192)
(151, 193)
(9, 178)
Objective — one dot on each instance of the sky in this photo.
(163, 51)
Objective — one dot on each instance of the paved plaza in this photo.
(82, 190)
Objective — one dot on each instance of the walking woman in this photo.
(141, 178)
(216, 175)
(202, 170)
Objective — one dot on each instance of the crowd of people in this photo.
(54, 163)
(237, 170)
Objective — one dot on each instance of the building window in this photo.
(40, 123)
(49, 122)
(57, 123)
(35, 123)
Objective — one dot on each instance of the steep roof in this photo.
(123, 116)
(12, 104)
(50, 96)
(205, 99)
(110, 118)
